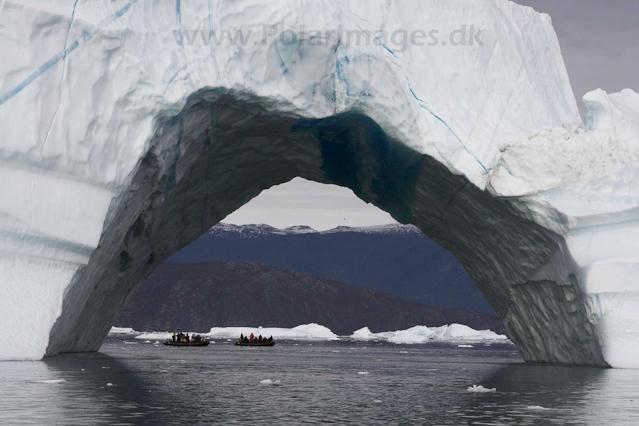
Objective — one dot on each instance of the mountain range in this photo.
(395, 259)
(198, 296)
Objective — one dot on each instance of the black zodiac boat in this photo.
(200, 343)
(254, 343)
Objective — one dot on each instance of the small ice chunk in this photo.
(536, 407)
(147, 341)
(50, 382)
(105, 368)
(121, 330)
(268, 382)
(465, 346)
(403, 352)
(109, 384)
(480, 389)
(131, 343)
(377, 401)
(363, 373)
(82, 369)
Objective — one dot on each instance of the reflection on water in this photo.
(319, 382)
(32, 392)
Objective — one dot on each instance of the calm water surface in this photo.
(318, 382)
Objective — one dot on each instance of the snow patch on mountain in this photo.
(263, 230)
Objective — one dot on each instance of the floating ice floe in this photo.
(480, 389)
(163, 335)
(363, 373)
(50, 382)
(268, 382)
(465, 346)
(122, 330)
(536, 407)
(421, 334)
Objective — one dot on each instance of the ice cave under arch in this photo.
(125, 138)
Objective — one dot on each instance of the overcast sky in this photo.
(600, 44)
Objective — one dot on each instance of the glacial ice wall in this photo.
(131, 126)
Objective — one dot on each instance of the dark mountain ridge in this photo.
(198, 296)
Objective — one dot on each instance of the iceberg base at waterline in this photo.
(417, 334)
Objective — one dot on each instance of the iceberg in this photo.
(129, 130)
(423, 334)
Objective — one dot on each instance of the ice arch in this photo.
(125, 136)
(224, 148)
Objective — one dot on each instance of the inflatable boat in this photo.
(200, 343)
(254, 343)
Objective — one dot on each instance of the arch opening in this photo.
(225, 147)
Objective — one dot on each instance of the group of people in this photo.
(185, 338)
(252, 338)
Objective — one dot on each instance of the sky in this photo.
(600, 43)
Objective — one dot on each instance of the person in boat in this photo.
(241, 337)
(270, 339)
(173, 337)
(252, 337)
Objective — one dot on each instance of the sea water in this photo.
(298, 382)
